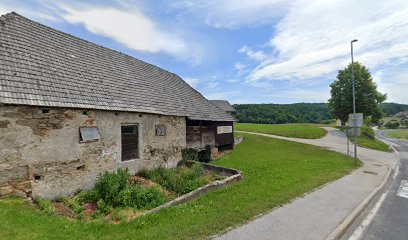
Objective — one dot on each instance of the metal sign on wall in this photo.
(160, 130)
(224, 129)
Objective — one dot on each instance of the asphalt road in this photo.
(387, 217)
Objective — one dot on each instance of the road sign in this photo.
(359, 120)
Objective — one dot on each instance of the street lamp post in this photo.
(354, 102)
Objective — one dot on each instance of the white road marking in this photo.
(395, 172)
(403, 189)
(360, 229)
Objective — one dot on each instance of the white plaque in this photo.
(224, 129)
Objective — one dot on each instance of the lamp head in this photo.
(355, 40)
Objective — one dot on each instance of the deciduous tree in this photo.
(367, 96)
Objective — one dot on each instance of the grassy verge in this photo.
(400, 134)
(368, 140)
(275, 172)
(295, 130)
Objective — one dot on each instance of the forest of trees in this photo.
(296, 113)
(393, 108)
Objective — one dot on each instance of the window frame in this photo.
(90, 140)
(163, 127)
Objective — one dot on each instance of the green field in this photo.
(295, 130)
(368, 140)
(275, 171)
(400, 134)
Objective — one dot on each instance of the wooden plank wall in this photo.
(202, 133)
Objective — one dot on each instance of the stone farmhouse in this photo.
(71, 109)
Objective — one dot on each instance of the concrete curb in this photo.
(346, 223)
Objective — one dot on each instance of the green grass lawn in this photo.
(275, 171)
(368, 140)
(295, 130)
(400, 134)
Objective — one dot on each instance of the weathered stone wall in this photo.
(41, 155)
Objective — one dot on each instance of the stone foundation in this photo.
(41, 153)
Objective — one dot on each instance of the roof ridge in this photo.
(87, 41)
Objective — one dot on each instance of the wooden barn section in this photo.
(214, 133)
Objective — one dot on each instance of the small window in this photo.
(89, 134)
(129, 129)
(161, 130)
(130, 142)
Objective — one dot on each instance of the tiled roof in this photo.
(42, 66)
(223, 104)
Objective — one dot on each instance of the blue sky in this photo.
(246, 51)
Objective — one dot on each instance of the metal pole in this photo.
(354, 103)
(348, 147)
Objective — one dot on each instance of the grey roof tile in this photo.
(45, 67)
(223, 104)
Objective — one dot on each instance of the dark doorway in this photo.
(130, 142)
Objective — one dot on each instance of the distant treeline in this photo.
(393, 108)
(296, 113)
(282, 113)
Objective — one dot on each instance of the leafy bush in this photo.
(205, 155)
(392, 124)
(45, 205)
(73, 204)
(112, 190)
(188, 154)
(181, 180)
(91, 196)
(142, 198)
(109, 186)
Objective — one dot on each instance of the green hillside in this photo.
(393, 108)
(296, 112)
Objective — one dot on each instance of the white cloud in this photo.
(239, 66)
(232, 13)
(193, 82)
(212, 85)
(394, 84)
(311, 44)
(232, 80)
(129, 27)
(258, 56)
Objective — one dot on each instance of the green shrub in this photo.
(189, 154)
(392, 124)
(143, 198)
(205, 155)
(184, 186)
(73, 204)
(112, 190)
(181, 180)
(45, 205)
(90, 196)
(118, 215)
(103, 207)
(110, 184)
(163, 176)
(193, 172)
